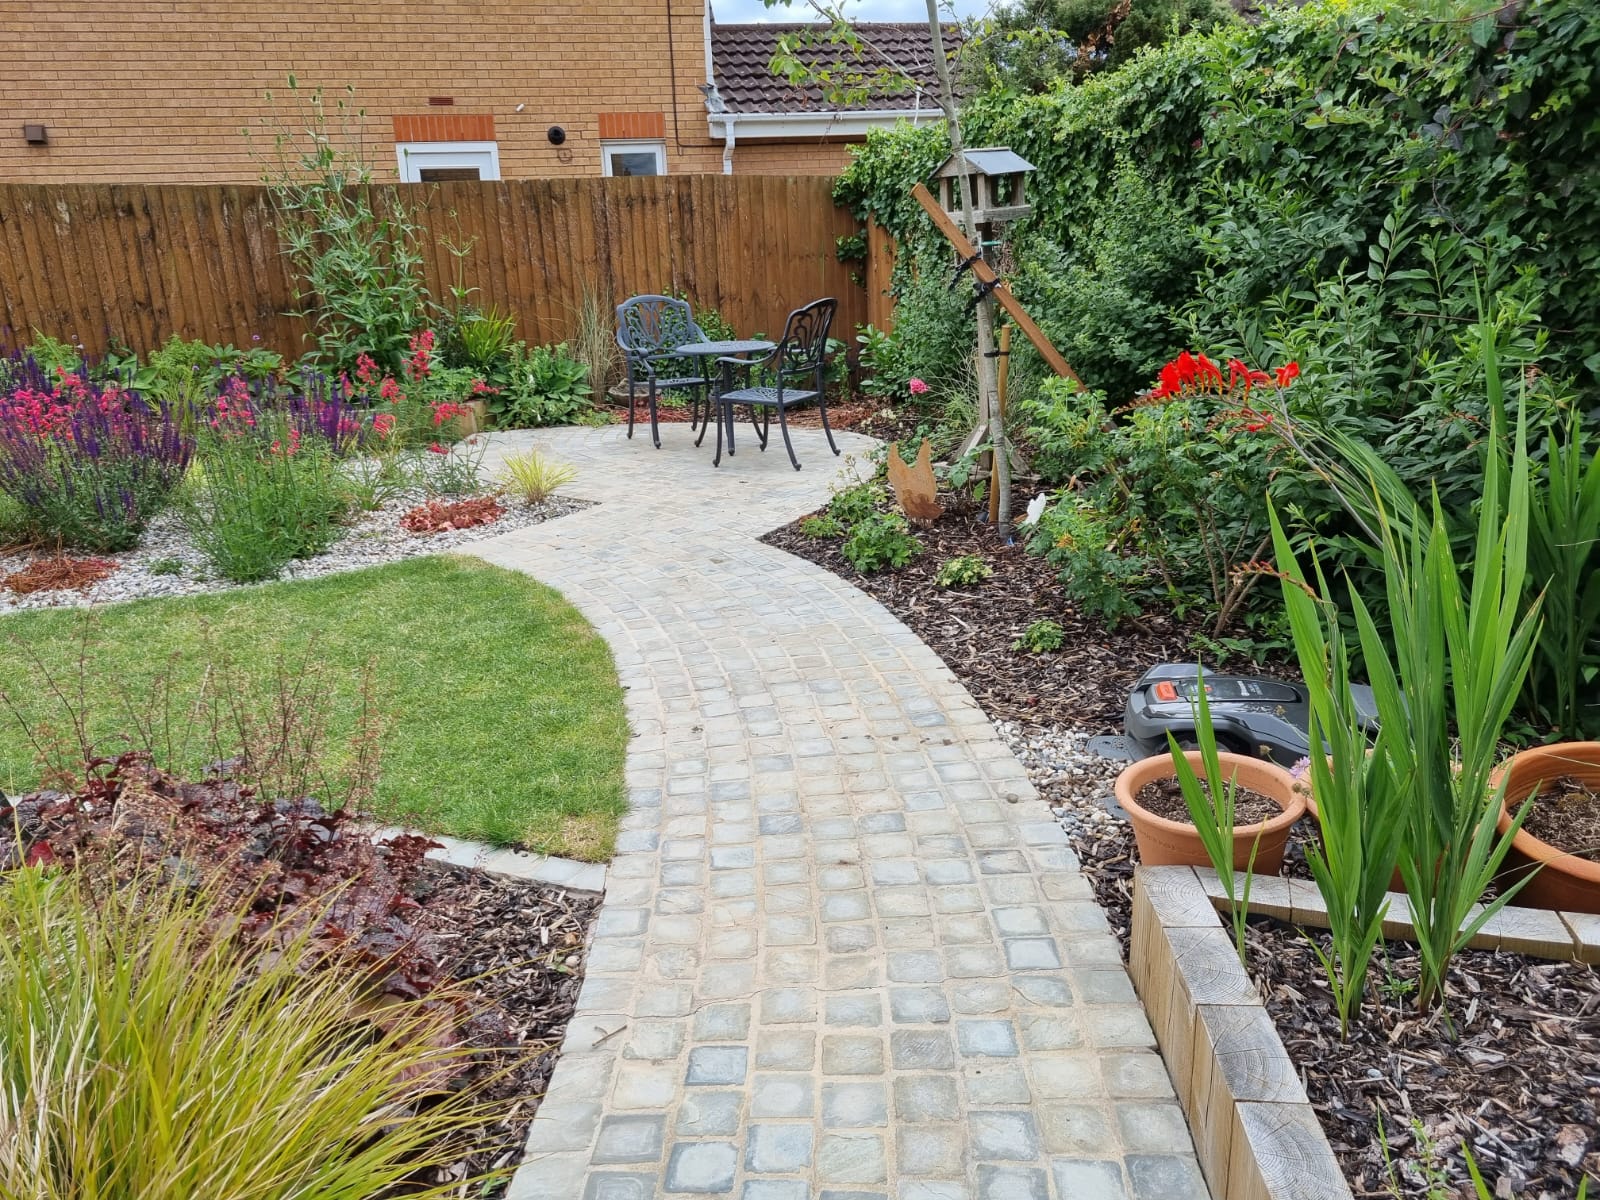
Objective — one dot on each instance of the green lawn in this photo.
(503, 718)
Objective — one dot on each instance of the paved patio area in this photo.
(844, 952)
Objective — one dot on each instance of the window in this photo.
(439, 162)
(633, 158)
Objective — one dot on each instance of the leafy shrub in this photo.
(1044, 636)
(1173, 489)
(266, 494)
(1100, 576)
(354, 251)
(964, 570)
(1033, 44)
(87, 465)
(545, 386)
(535, 477)
(186, 374)
(881, 540)
(854, 504)
(822, 525)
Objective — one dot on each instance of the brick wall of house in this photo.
(159, 90)
(781, 158)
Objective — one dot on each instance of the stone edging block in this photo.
(514, 864)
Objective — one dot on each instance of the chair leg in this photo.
(716, 460)
(655, 429)
(783, 424)
(630, 408)
(765, 427)
(826, 428)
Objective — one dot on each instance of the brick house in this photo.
(160, 90)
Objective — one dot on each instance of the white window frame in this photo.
(656, 146)
(416, 157)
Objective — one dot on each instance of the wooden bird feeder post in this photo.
(981, 192)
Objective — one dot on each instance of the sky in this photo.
(736, 11)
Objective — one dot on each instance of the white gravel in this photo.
(373, 539)
(1071, 778)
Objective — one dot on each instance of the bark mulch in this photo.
(1516, 1076)
(1566, 813)
(520, 945)
(974, 628)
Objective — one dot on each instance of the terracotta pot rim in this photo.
(1536, 849)
(1293, 809)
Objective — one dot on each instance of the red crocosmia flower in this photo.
(1288, 374)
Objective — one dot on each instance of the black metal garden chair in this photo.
(649, 329)
(793, 374)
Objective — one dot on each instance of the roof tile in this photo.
(742, 55)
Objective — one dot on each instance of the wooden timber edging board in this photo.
(134, 264)
(1256, 1134)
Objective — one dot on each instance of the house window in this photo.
(633, 158)
(440, 162)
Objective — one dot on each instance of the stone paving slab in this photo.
(844, 951)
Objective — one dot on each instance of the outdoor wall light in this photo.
(35, 135)
(556, 134)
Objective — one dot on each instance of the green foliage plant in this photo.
(854, 504)
(148, 1049)
(265, 495)
(1099, 575)
(1564, 555)
(964, 570)
(881, 540)
(1459, 664)
(354, 250)
(821, 526)
(452, 472)
(546, 386)
(485, 339)
(1211, 806)
(534, 477)
(1360, 800)
(1044, 636)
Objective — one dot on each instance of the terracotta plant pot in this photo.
(1164, 843)
(1562, 880)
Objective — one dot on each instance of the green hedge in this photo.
(1215, 188)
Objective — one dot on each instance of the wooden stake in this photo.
(1003, 373)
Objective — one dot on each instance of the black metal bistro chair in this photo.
(649, 329)
(795, 368)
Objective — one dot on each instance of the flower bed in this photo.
(1490, 1084)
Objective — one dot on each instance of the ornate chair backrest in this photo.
(653, 326)
(804, 347)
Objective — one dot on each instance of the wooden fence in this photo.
(137, 263)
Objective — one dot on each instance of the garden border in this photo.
(565, 873)
(1257, 1136)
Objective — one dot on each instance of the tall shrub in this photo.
(354, 250)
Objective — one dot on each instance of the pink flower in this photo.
(917, 387)
(436, 448)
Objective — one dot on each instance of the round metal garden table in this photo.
(708, 353)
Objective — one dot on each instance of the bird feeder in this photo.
(996, 182)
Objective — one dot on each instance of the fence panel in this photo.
(131, 264)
